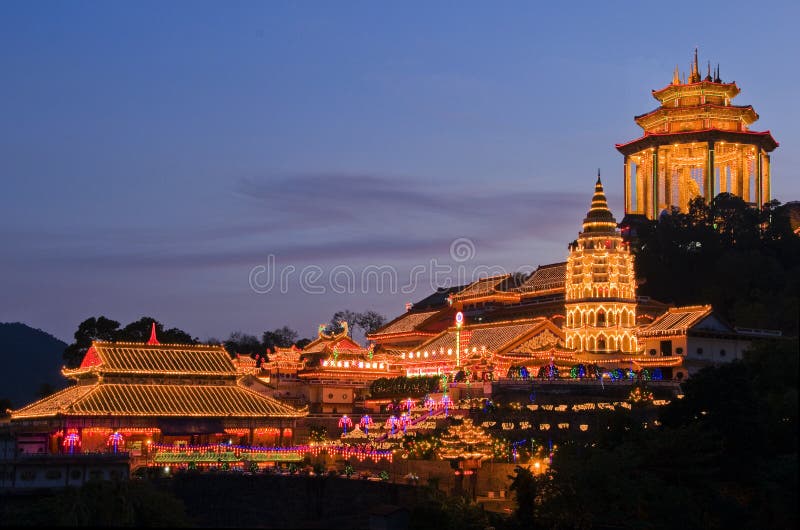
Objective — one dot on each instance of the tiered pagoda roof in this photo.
(599, 220)
(698, 109)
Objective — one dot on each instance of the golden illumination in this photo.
(600, 285)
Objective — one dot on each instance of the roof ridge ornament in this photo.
(153, 339)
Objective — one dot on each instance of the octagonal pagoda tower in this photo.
(600, 285)
(696, 143)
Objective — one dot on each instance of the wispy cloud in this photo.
(329, 218)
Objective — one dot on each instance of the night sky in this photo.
(153, 154)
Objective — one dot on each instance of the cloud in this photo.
(330, 218)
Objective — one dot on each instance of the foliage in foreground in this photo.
(743, 261)
(726, 456)
(99, 503)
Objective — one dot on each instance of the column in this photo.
(684, 174)
(667, 198)
(654, 187)
(759, 169)
(641, 185)
(710, 176)
(767, 177)
(626, 170)
(744, 177)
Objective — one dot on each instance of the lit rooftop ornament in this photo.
(153, 339)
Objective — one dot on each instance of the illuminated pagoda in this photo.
(128, 396)
(696, 143)
(600, 285)
(580, 312)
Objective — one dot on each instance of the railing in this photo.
(761, 332)
(94, 455)
(507, 381)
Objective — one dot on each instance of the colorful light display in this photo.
(345, 423)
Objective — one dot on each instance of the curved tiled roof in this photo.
(482, 286)
(546, 277)
(140, 358)
(404, 323)
(494, 336)
(676, 319)
(174, 400)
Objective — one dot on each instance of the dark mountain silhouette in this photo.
(31, 358)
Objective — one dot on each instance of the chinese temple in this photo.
(331, 374)
(696, 143)
(129, 396)
(580, 313)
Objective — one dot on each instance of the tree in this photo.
(370, 321)
(45, 389)
(367, 322)
(5, 404)
(281, 337)
(244, 344)
(345, 315)
(744, 261)
(139, 331)
(91, 329)
(105, 329)
(523, 483)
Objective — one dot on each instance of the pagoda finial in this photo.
(153, 339)
(676, 80)
(694, 77)
(599, 219)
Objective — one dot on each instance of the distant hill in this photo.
(30, 358)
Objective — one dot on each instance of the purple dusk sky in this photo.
(154, 155)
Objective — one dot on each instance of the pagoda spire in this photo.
(694, 76)
(153, 339)
(599, 218)
(676, 80)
